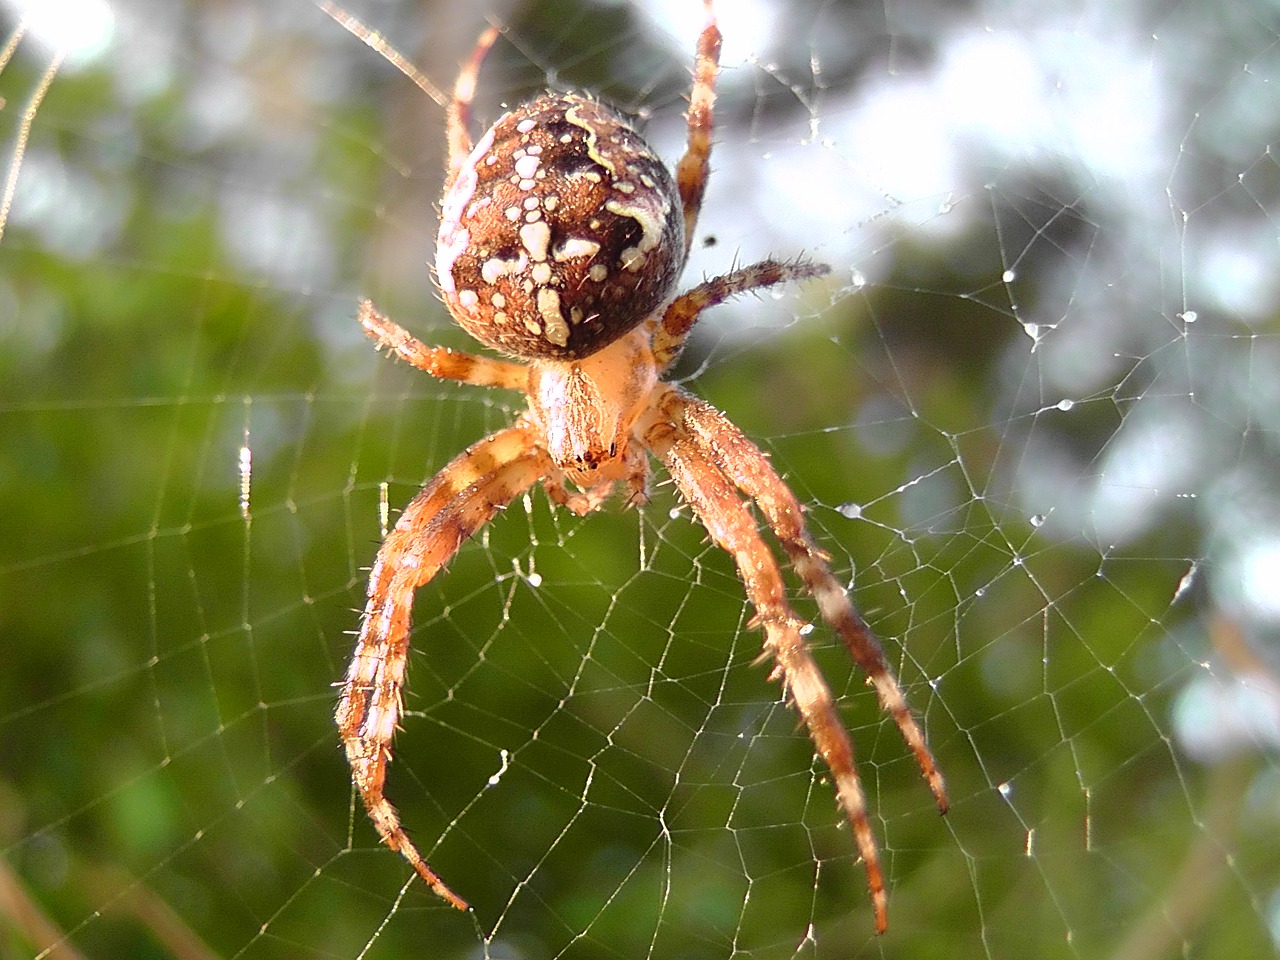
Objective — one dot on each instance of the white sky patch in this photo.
(1154, 456)
(1056, 91)
(989, 84)
(82, 29)
(1010, 94)
(1083, 95)
(747, 27)
(1238, 269)
(1256, 571)
(1111, 102)
(1218, 717)
(909, 153)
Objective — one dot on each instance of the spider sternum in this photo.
(586, 408)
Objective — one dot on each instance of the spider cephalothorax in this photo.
(562, 238)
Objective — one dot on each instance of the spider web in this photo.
(1033, 417)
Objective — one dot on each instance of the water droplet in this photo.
(1008, 276)
(850, 511)
(505, 757)
(1065, 405)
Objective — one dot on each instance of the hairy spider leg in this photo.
(442, 362)
(460, 499)
(458, 115)
(693, 169)
(752, 473)
(722, 512)
(681, 314)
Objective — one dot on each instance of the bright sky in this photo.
(81, 29)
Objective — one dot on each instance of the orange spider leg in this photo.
(460, 499)
(442, 362)
(693, 169)
(637, 476)
(712, 496)
(459, 112)
(743, 463)
(683, 311)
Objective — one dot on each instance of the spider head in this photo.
(560, 233)
(586, 408)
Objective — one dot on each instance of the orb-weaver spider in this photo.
(562, 238)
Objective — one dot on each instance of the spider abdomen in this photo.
(561, 233)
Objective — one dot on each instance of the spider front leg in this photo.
(459, 112)
(681, 314)
(715, 502)
(442, 362)
(460, 499)
(694, 167)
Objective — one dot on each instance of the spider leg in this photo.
(693, 169)
(440, 362)
(749, 469)
(459, 113)
(717, 504)
(460, 499)
(683, 311)
(637, 476)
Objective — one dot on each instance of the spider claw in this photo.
(439, 888)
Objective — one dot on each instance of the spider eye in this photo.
(562, 232)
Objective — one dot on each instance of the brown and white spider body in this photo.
(561, 242)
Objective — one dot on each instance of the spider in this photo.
(562, 239)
